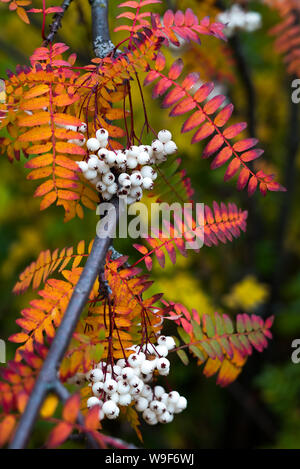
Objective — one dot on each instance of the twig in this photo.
(56, 24)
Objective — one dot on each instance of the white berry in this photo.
(92, 401)
(170, 147)
(93, 144)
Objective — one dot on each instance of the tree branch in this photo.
(47, 379)
(101, 37)
(56, 24)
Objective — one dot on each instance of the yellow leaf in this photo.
(49, 406)
(36, 91)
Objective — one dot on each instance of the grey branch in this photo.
(47, 379)
(101, 37)
(56, 23)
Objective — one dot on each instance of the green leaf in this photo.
(209, 325)
(197, 330)
(184, 335)
(97, 352)
(196, 351)
(228, 324)
(219, 324)
(183, 357)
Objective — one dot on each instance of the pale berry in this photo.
(93, 144)
(92, 401)
(164, 136)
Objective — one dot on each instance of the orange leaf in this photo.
(39, 161)
(48, 200)
(67, 195)
(91, 421)
(65, 99)
(35, 103)
(23, 15)
(66, 162)
(71, 148)
(59, 434)
(37, 133)
(39, 173)
(44, 188)
(38, 149)
(6, 428)
(71, 408)
(66, 119)
(18, 338)
(22, 399)
(38, 118)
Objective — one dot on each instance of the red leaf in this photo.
(234, 130)
(193, 121)
(244, 145)
(204, 132)
(251, 155)
(184, 106)
(59, 434)
(161, 87)
(152, 75)
(275, 186)
(263, 188)
(173, 97)
(168, 18)
(214, 145)
(190, 80)
(233, 167)
(214, 104)
(243, 179)
(252, 185)
(160, 62)
(203, 92)
(176, 69)
(221, 158)
(224, 115)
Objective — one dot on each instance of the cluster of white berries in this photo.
(125, 173)
(236, 18)
(125, 383)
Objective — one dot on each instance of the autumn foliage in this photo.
(42, 101)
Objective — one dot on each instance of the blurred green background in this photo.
(258, 273)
